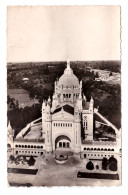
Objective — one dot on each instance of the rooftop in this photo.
(66, 108)
(97, 118)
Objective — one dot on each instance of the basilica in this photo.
(67, 125)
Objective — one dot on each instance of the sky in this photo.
(44, 33)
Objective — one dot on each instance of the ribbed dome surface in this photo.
(68, 79)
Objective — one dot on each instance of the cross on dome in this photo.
(68, 64)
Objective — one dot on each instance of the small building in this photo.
(25, 80)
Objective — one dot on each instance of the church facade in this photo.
(67, 124)
(64, 117)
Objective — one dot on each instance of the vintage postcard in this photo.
(63, 96)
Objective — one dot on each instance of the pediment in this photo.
(62, 115)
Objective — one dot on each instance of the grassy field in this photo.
(22, 96)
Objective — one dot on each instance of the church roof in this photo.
(68, 80)
(66, 108)
(97, 118)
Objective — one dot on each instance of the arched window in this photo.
(8, 145)
(85, 123)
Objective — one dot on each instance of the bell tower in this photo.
(87, 118)
(48, 129)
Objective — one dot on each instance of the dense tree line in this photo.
(107, 97)
(113, 66)
(110, 164)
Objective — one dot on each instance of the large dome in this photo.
(68, 79)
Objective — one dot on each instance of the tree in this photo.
(8, 145)
(31, 161)
(12, 158)
(112, 164)
(104, 164)
(90, 165)
(96, 75)
(110, 74)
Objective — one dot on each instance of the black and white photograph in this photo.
(64, 96)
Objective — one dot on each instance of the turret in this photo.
(79, 102)
(81, 85)
(10, 132)
(84, 97)
(91, 104)
(47, 107)
(49, 101)
(48, 129)
(77, 129)
(53, 102)
(43, 106)
(10, 139)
